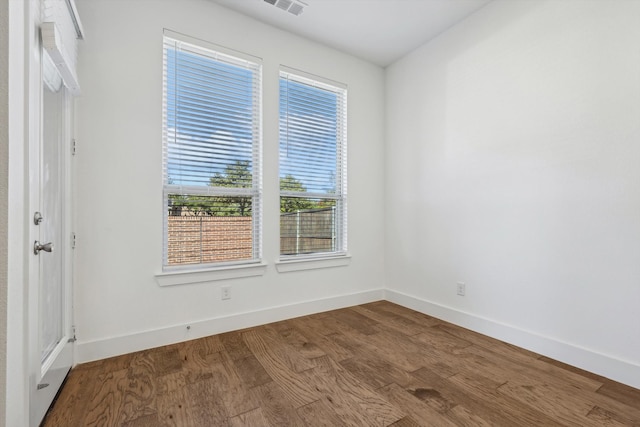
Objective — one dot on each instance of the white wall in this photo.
(15, 212)
(4, 198)
(513, 145)
(118, 305)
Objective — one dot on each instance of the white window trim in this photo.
(313, 79)
(331, 260)
(211, 46)
(195, 273)
(204, 275)
(340, 257)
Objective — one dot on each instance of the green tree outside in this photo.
(238, 175)
(294, 204)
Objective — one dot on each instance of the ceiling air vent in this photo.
(294, 7)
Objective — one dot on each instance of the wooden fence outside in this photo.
(307, 231)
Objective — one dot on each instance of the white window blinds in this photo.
(212, 162)
(313, 167)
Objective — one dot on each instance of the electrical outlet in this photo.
(461, 289)
(226, 292)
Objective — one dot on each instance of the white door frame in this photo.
(17, 401)
(41, 394)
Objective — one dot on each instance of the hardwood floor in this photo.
(377, 364)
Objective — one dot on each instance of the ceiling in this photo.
(378, 31)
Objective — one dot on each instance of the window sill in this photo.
(312, 263)
(210, 275)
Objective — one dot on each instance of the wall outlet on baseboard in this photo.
(225, 292)
(461, 288)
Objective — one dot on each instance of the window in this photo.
(211, 156)
(313, 175)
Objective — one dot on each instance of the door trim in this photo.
(45, 379)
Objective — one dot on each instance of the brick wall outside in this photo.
(206, 239)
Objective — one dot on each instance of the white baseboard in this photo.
(87, 351)
(589, 360)
(601, 364)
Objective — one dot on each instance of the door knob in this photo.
(37, 247)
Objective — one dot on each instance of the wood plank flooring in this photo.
(377, 364)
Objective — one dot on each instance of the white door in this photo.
(50, 300)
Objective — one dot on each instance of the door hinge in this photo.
(73, 240)
(73, 147)
(73, 331)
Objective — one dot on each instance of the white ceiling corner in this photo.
(378, 31)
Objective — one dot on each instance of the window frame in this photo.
(303, 261)
(255, 192)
